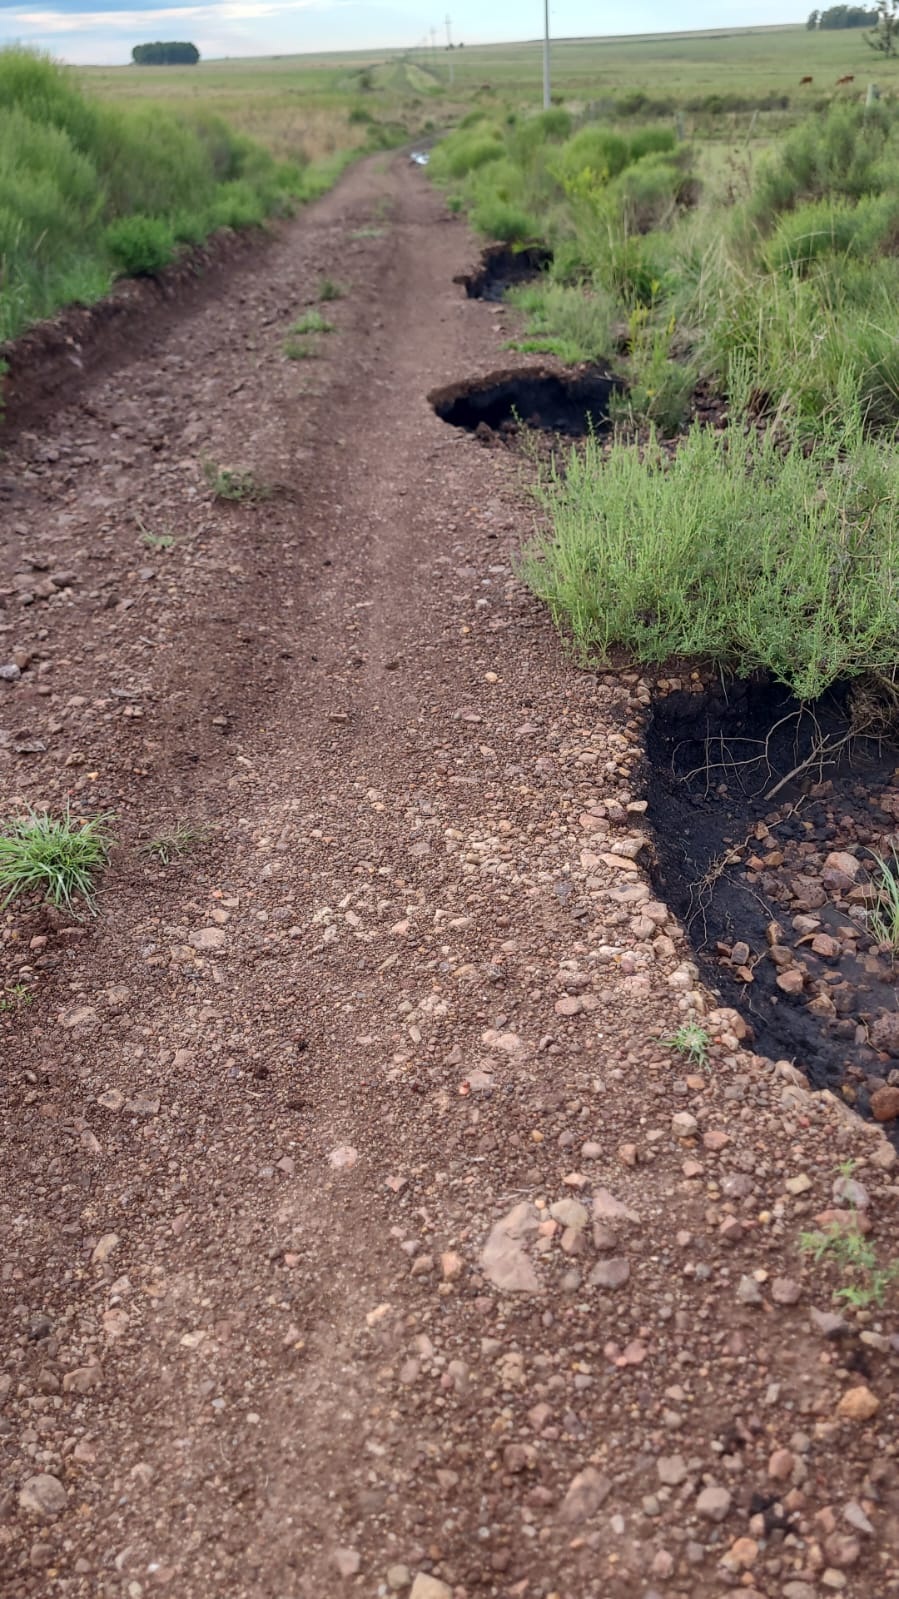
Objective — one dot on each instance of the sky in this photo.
(103, 31)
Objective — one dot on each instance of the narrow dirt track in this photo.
(261, 1118)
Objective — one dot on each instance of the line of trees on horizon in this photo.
(843, 17)
(171, 54)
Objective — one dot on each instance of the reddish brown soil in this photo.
(251, 1364)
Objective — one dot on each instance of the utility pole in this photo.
(547, 97)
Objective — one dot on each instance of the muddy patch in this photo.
(570, 404)
(503, 268)
(768, 821)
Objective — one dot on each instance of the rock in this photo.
(343, 1158)
(713, 1503)
(672, 1470)
(425, 1587)
(208, 938)
(850, 1192)
(398, 1577)
(742, 1554)
(791, 981)
(104, 1248)
(347, 1561)
(842, 861)
(748, 1291)
(853, 1513)
(828, 1323)
(9, 673)
(784, 1291)
(780, 1465)
(503, 1258)
(571, 1213)
(451, 1266)
(81, 1379)
(858, 1404)
(683, 1125)
(607, 1208)
(885, 1033)
(612, 1273)
(885, 1104)
(800, 1184)
(586, 1492)
(799, 1590)
(829, 949)
(43, 1496)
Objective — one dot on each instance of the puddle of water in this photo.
(745, 869)
(571, 404)
(501, 268)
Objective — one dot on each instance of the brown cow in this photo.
(805, 80)
(849, 78)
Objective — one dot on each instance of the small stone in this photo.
(612, 1273)
(885, 1104)
(111, 1099)
(849, 1192)
(104, 1248)
(607, 1208)
(741, 1555)
(799, 1590)
(347, 1561)
(81, 1379)
(503, 1258)
(858, 1404)
(343, 1158)
(784, 1291)
(853, 1513)
(43, 1496)
(780, 1465)
(425, 1587)
(398, 1577)
(586, 1492)
(748, 1291)
(792, 981)
(672, 1470)
(570, 1212)
(841, 861)
(683, 1125)
(713, 1503)
(799, 1184)
(208, 938)
(451, 1266)
(828, 1323)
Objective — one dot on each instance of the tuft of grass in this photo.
(692, 1041)
(296, 350)
(368, 233)
(312, 322)
(883, 920)
(234, 483)
(55, 857)
(329, 290)
(18, 997)
(179, 840)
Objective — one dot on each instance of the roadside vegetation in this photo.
(770, 541)
(55, 858)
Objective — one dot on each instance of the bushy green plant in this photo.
(140, 245)
(743, 549)
(572, 323)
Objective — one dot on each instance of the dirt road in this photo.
(263, 1334)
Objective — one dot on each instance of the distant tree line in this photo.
(165, 55)
(843, 17)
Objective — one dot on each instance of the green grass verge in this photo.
(743, 549)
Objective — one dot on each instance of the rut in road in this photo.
(263, 1116)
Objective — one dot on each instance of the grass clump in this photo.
(312, 322)
(692, 1041)
(296, 350)
(328, 289)
(883, 920)
(573, 323)
(176, 841)
(234, 483)
(743, 549)
(54, 857)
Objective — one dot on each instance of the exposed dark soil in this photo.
(572, 404)
(360, 1233)
(744, 858)
(503, 268)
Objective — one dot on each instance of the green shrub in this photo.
(573, 323)
(508, 223)
(140, 245)
(742, 549)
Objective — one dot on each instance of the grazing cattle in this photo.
(849, 78)
(805, 80)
